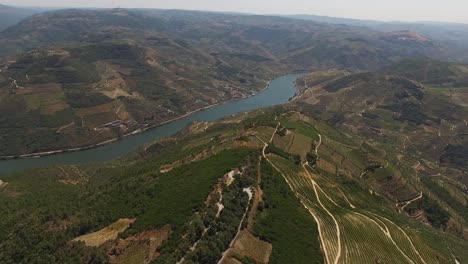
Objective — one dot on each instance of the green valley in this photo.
(358, 155)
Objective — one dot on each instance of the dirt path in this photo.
(346, 198)
(376, 219)
(318, 145)
(64, 127)
(205, 230)
(338, 231)
(406, 235)
(257, 197)
(300, 198)
(316, 151)
(118, 109)
(239, 228)
(406, 203)
(14, 83)
(387, 233)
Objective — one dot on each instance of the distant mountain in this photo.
(367, 164)
(10, 15)
(81, 77)
(455, 33)
(336, 20)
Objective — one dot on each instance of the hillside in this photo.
(453, 34)
(423, 129)
(366, 163)
(269, 186)
(76, 78)
(431, 72)
(400, 109)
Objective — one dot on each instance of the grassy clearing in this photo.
(249, 246)
(136, 191)
(136, 255)
(300, 127)
(108, 233)
(301, 145)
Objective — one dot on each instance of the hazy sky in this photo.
(406, 10)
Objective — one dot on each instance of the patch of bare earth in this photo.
(3, 184)
(140, 248)
(108, 233)
(7, 191)
(165, 168)
(326, 166)
(258, 197)
(72, 175)
(247, 245)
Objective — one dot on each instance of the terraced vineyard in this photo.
(358, 227)
(278, 185)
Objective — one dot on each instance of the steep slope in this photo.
(422, 128)
(83, 77)
(431, 72)
(453, 34)
(298, 177)
(286, 39)
(76, 78)
(69, 96)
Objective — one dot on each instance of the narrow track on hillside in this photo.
(387, 232)
(299, 197)
(346, 198)
(316, 149)
(239, 228)
(404, 233)
(337, 226)
(381, 222)
(406, 203)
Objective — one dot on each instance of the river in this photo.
(279, 91)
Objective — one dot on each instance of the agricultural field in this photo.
(342, 210)
(276, 185)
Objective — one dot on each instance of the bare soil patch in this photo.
(250, 246)
(108, 233)
(140, 248)
(301, 145)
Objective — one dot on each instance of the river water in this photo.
(279, 91)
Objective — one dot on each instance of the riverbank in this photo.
(279, 92)
(112, 140)
(137, 131)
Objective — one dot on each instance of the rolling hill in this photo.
(366, 164)
(76, 78)
(288, 183)
(454, 34)
(431, 72)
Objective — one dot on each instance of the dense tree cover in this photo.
(437, 216)
(343, 82)
(213, 234)
(42, 215)
(455, 154)
(266, 119)
(285, 223)
(445, 196)
(427, 70)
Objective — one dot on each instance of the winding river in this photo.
(279, 91)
